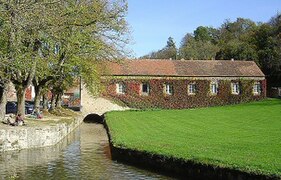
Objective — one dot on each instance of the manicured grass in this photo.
(245, 137)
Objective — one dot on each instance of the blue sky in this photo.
(153, 21)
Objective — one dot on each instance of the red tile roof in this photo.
(191, 68)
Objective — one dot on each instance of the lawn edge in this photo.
(176, 167)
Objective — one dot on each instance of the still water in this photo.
(84, 154)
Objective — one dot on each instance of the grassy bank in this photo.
(245, 137)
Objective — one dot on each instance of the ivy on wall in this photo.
(180, 98)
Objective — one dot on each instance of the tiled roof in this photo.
(191, 68)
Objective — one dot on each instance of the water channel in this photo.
(84, 154)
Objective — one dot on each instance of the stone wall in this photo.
(180, 97)
(22, 137)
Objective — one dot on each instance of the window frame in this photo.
(235, 88)
(120, 88)
(168, 89)
(257, 88)
(216, 87)
(147, 88)
(191, 88)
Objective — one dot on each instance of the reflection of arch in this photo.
(93, 118)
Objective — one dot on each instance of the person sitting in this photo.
(37, 113)
(10, 119)
(19, 120)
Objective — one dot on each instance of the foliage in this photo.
(244, 137)
(236, 40)
(242, 39)
(197, 48)
(78, 39)
(19, 31)
(267, 39)
(201, 45)
(54, 42)
(180, 98)
(206, 34)
(168, 52)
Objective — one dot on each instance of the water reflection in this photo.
(82, 155)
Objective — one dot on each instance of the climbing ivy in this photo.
(180, 98)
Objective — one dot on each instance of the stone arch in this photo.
(94, 118)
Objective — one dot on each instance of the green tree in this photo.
(236, 40)
(64, 36)
(168, 52)
(267, 39)
(4, 79)
(22, 22)
(201, 45)
(83, 39)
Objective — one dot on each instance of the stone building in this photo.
(183, 83)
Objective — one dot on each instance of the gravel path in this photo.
(98, 105)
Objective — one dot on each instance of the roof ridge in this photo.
(205, 60)
(185, 68)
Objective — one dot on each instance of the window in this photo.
(120, 88)
(257, 88)
(191, 89)
(145, 89)
(168, 89)
(214, 88)
(235, 88)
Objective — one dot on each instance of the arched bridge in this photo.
(93, 108)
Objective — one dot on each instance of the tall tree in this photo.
(202, 45)
(235, 40)
(62, 35)
(22, 22)
(168, 52)
(4, 78)
(267, 39)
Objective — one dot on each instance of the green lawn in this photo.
(245, 136)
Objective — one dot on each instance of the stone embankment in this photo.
(23, 137)
(43, 135)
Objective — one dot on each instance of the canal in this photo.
(84, 154)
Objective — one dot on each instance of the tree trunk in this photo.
(53, 102)
(21, 100)
(58, 100)
(38, 93)
(45, 101)
(3, 99)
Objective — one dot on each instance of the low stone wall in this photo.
(24, 137)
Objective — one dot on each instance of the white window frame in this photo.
(214, 90)
(257, 88)
(235, 88)
(120, 88)
(168, 89)
(147, 90)
(191, 89)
